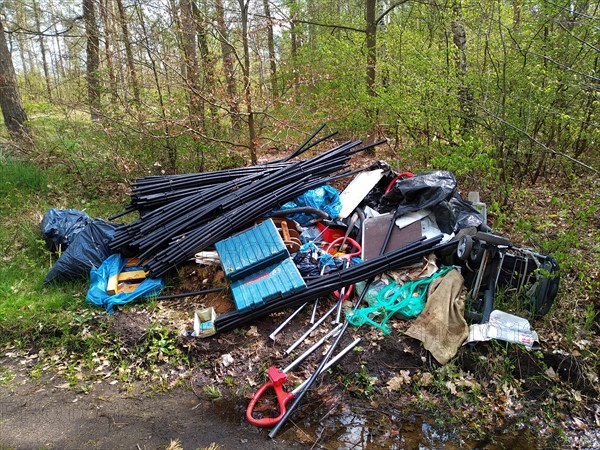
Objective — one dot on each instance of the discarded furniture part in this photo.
(504, 327)
(251, 250)
(441, 326)
(357, 190)
(277, 378)
(374, 229)
(271, 283)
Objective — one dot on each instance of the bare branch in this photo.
(387, 11)
(327, 25)
(534, 140)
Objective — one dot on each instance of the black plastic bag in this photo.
(61, 226)
(306, 265)
(89, 248)
(436, 190)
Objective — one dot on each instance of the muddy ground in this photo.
(48, 414)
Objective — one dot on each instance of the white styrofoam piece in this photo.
(357, 190)
(411, 217)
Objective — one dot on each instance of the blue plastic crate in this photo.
(276, 281)
(251, 250)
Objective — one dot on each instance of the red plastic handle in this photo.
(355, 244)
(347, 256)
(277, 378)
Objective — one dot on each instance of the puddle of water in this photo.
(373, 429)
(360, 428)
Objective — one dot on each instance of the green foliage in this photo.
(212, 392)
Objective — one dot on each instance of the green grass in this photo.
(28, 309)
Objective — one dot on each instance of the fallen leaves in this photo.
(396, 383)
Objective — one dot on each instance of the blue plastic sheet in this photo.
(325, 198)
(113, 265)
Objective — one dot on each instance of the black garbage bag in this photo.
(436, 190)
(61, 226)
(89, 248)
(307, 266)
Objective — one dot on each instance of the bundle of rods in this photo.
(181, 215)
(326, 284)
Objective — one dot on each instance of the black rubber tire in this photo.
(464, 247)
(476, 254)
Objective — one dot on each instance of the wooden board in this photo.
(375, 230)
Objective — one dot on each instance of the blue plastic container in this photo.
(251, 250)
(276, 281)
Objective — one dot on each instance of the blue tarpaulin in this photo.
(324, 198)
(114, 265)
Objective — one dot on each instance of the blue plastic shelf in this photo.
(273, 282)
(251, 250)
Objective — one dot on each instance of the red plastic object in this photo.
(277, 378)
(330, 234)
(347, 257)
(397, 177)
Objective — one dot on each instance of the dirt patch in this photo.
(49, 414)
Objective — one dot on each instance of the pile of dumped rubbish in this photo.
(390, 245)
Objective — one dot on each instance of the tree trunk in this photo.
(93, 58)
(60, 72)
(108, 35)
(15, 117)
(129, 54)
(25, 62)
(207, 60)
(190, 52)
(36, 15)
(271, 47)
(459, 36)
(247, 91)
(227, 52)
(371, 45)
(294, 50)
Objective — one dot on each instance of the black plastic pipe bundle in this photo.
(153, 231)
(160, 225)
(185, 246)
(326, 284)
(222, 217)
